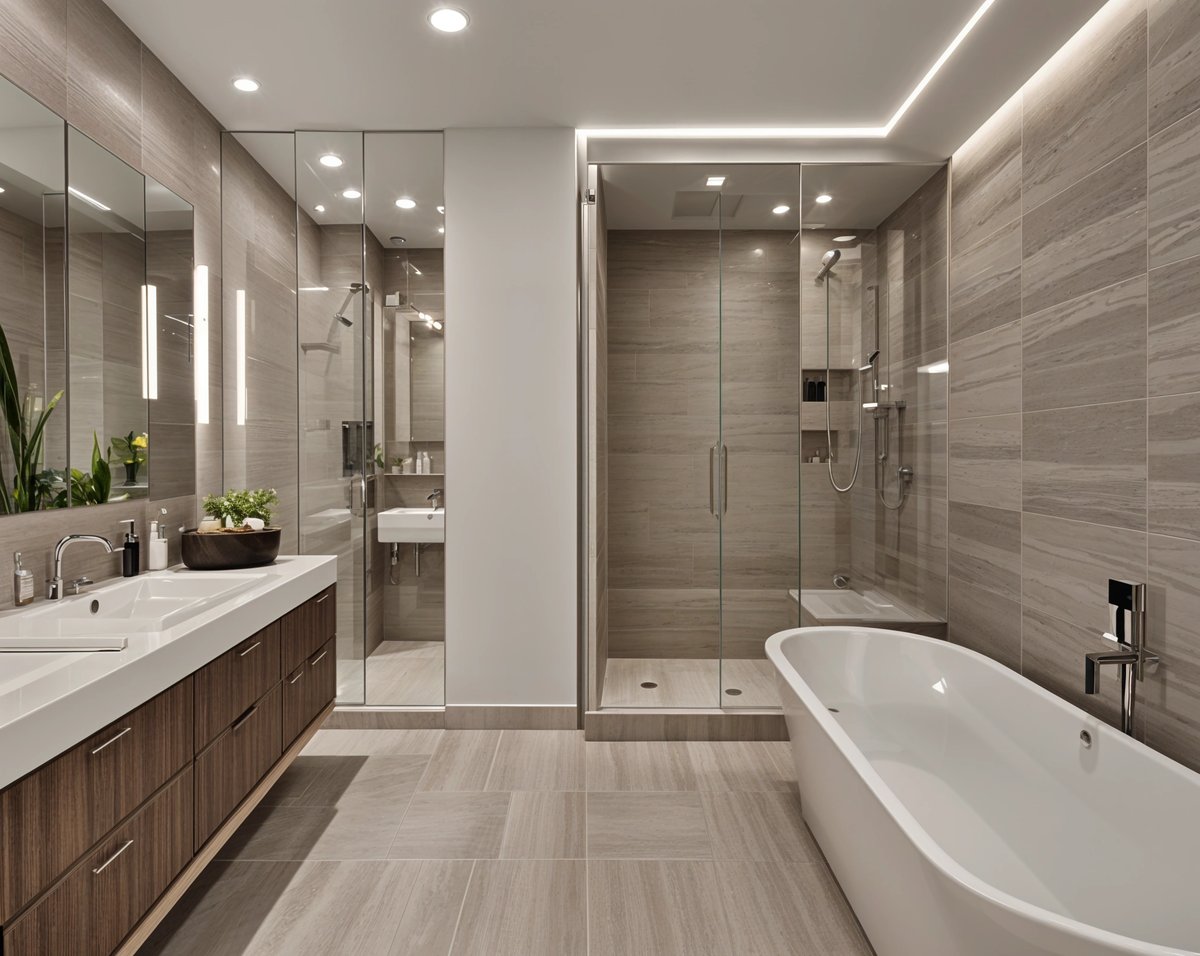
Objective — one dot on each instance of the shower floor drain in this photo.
(733, 691)
(649, 684)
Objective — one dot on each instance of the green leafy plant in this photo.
(31, 488)
(237, 506)
(379, 456)
(95, 487)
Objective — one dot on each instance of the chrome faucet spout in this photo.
(1127, 629)
(54, 590)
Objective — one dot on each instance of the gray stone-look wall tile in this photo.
(986, 178)
(985, 548)
(104, 78)
(1174, 44)
(1087, 105)
(985, 283)
(1174, 167)
(33, 49)
(1088, 350)
(1052, 654)
(1087, 463)
(1088, 236)
(986, 622)
(1175, 465)
(985, 461)
(1170, 697)
(985, 373)
(1174, 328)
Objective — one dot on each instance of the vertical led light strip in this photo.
(152, 338)
(240, 344)
(145, 351)
(200, 331)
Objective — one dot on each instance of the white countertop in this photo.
(51, 701)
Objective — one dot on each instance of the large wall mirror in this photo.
(96, 315)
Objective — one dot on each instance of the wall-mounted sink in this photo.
(413, 525)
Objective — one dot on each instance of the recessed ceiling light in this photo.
(351, 194)
(1, 189)
(245, 84)
(442, 210)
(319, 208)
(824, 198)
(844, 238)
(437, 325)
(405, 203)
(781, 209)
(448, 20)
(331, 160)
(715, 181)
(441, 230)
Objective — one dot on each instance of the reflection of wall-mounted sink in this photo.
(415, 525)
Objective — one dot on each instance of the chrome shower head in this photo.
(828, 261)
(870, 363)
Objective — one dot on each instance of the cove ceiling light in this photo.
(797, 132)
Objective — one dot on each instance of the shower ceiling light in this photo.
(798, 132)
(781, 209)
(844, 238)
(448, 20)
(405, 203)
(442, 210)
(715, 181)
(319, 208)
(245, 84)
(438, 326)
(441, 230)
(351, 194)
(331, 160)
(824, 198)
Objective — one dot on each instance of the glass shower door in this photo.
(760, 381)
(336, 431)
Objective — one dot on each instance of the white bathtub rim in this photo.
(917, 834)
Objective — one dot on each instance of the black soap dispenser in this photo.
(131, 554)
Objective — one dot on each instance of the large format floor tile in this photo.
(452, 826)
(639, 765)
(524, 908)
(646, 826)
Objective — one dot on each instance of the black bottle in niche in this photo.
(821, 390)
(810, 389)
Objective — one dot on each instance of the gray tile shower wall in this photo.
(78, 58)
(1074, 441)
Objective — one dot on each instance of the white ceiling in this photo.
(376, 64)
(642, 196)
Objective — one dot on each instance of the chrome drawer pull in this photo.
(296, 678)
(245, 717)
(249, 649)
(97, 870)
(323, 598)
(109, 743)
(318, 660)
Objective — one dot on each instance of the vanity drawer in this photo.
(50, 817)
(307, 690)
(103, 898)
(234, 681)
(236, 761)
(305, 629)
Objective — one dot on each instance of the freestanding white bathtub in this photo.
(964, 815)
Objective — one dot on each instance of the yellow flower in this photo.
(141, 441)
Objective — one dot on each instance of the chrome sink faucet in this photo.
(55, 585)
(436, 501)
(1127, 629)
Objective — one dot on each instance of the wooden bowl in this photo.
(228, 550)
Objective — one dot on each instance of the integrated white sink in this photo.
(413, 525)
(103, 618)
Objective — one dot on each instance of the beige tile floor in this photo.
(520, 843)
(688, 683)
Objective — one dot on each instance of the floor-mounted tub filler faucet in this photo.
(1126, 629)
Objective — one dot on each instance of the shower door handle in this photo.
(724, 478)
(712, 478)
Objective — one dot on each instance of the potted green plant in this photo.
(132, 450)
(237, 533)
(31, 488)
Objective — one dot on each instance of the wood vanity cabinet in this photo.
(91, 840)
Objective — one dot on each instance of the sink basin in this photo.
(101, 619)
(413, 525)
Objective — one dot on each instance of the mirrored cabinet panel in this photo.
(97, 343)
